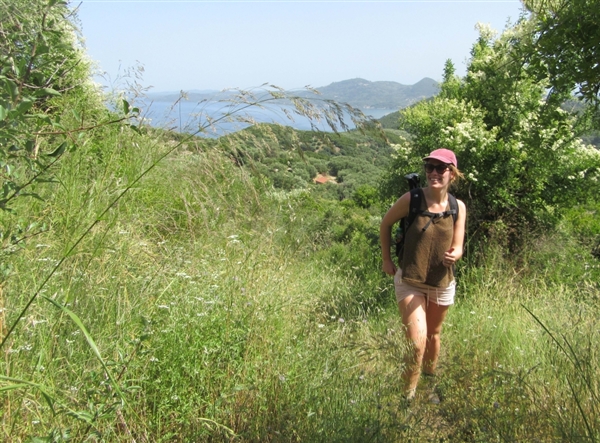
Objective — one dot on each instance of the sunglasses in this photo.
(440, 169)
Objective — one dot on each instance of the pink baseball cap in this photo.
(443, 155)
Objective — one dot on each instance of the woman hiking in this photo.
(424, 281)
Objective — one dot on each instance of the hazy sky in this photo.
(186, 45)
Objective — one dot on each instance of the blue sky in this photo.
(185, 45)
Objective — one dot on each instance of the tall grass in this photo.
(521, 359)
(204, 306)
(189, 312)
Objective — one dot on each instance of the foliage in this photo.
(365, 196)
(593, 138)
(565, 44)
(291, 159)
(515, 314)
(390, 121)
(523, 160)
(46, 104)
(584, 224)
(197, 286)
(225, 309)
(39, 48)
(183, 297)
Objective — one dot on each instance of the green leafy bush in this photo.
(523, 161)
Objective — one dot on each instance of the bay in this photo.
(222, 117)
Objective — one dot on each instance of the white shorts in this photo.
(439, 296)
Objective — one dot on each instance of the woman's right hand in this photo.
(389, 267)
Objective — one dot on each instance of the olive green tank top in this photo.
(422, 261)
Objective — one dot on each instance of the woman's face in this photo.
(438, 173)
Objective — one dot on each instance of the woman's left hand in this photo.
(449, 257)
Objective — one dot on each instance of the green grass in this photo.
(204, 306)
(508, 369)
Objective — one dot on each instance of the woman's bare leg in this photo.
(414, 318)
(435, 315)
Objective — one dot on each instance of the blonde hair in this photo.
(456, 174)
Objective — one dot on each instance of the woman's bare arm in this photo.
(396, 212)
(456, 250)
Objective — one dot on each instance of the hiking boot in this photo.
(408, 397)
(431, 381)
(439, 392)
(434, 399)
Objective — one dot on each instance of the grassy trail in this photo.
(206, 307)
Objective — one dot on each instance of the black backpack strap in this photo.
(453, 211)
(416, 196)
(453, 207)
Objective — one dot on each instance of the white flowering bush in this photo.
(519, 150)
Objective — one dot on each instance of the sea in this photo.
(217, 118)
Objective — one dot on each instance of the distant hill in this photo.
(390, 121)
(358, 92)
(365, 94)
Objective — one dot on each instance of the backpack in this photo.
(416, 195)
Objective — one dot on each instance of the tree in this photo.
(365, 196)
(566, 44)
(450, 86)
(40, 48)
(521, 153)
(46, 100)
(39, 60)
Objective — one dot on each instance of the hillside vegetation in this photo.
(158, 286)
(351, 161)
